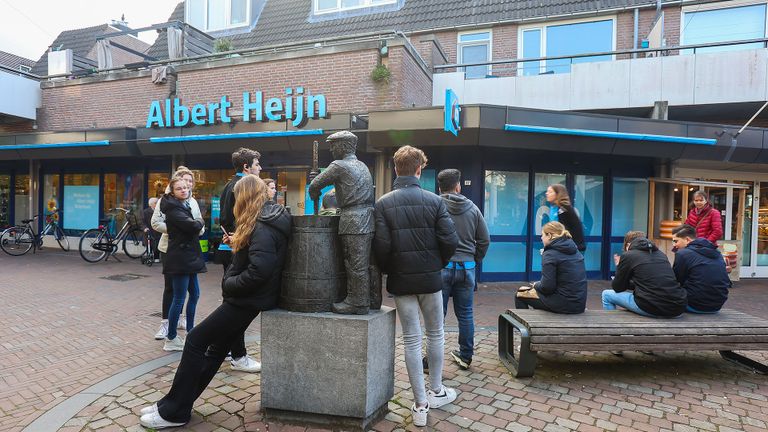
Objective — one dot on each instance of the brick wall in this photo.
(19, 126)
(504, 46)
(344, 79)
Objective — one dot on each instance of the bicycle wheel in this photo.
(93, 246)
(16, 241)
(133, 244)
(62, 238)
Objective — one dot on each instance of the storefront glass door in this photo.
(506, 213)
(761, 249)
(588, 201)
(21, 199)
(5, 201)
(541, 211)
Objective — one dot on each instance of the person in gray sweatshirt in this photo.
(459, 275)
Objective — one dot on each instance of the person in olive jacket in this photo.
(563, 284)
(184, 258)
(250, 285)
(415, 238)
(645, 269)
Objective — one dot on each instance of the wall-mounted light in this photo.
(383, 49)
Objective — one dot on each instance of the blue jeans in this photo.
(183, 283)
(625, 299)
(460, 284)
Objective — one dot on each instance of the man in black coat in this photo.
(700, 269)
(244, 161)
(415, 238)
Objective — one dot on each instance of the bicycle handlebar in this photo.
(121, 209)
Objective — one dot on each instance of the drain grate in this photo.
(125, 277)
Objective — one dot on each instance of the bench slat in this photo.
(650, 347)
(609, 331)
(650, 339)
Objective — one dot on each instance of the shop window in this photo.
(208, 187)
(213, 15)
(125, 191)
(291, 190)
(540, 207)
(506, 202)
(428, 180)
(630, 206)
(588, 201)
(329, 6)
(553, 40)
(762, 227)
(51, 194)
(21, 199)
(475, 47)
(505, 257)
(81, 202)
(5, 200)
(723, 24)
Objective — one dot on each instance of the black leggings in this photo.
(167, 291)
(205, 348)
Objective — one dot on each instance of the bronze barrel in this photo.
(314, 276)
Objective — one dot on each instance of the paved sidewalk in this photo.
(64, 329)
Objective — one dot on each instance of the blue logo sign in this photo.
(452, 113)
(295, 106)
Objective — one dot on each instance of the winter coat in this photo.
(253, 280)
(646, 269)
(563, 284)
(184, 255)
(700, 269)
(708, 223)
(567, 216)
(227, 204)
(158, 222)
(415, 238)
(470, 227)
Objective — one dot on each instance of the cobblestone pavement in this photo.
(63, 329)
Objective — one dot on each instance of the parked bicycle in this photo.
(98, 244)
(20, 239)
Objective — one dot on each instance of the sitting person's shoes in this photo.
(617, 353)
(154, 421)
(425, 364)
(150, 409)
(443, 397)
(245, 364)
(461, 361)
(419, 415)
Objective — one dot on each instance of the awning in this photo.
(610, 135)
(90, 143)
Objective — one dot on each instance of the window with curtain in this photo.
(212, 15)
(563, 40)
(475, 48)
(722, 25)
(328, 6)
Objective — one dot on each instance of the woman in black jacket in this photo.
(183, 259)
(564, 213)
(250, 285)
(563, 284)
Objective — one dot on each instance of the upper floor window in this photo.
(475, 47)
(564, 39)
(24, 68)
(711, 23)
(329, 6)
(213, 15)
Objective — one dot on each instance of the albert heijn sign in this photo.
(297, 106)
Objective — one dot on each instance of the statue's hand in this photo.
(314, 194)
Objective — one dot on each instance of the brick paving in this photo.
(63, 329)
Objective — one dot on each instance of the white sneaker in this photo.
(444, 397)
(175, 344)
(182, 325)
(245, 364)
(154, 421)
(162, 332)
(419, 415)
(150, 409)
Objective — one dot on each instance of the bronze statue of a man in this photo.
(354, 194)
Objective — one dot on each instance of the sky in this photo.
(28, 27)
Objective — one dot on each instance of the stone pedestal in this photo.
(327, 369)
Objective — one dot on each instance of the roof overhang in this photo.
(91, 143)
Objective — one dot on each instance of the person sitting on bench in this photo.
(700, 269)
(563, 284)
(644, 269)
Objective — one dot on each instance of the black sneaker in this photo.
(461, 361)
(425, 364)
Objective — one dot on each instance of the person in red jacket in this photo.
(705, 218)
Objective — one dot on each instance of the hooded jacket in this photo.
(700, 269)
(415, 238)
(184, 255)
(563, 285)
(470, 227)
(707, 221)
(253, 280)
(646, 269)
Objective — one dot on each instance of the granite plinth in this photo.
(327, 369)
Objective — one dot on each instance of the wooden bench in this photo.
(619, 330)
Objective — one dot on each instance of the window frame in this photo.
(227, 16)
(705, 7)
(542, 27)
(366, 4)
(488, 43)
(25, 68)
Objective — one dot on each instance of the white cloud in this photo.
(28, 27)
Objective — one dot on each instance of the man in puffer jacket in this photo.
(415, 237)
(700, 269)
(646, 270)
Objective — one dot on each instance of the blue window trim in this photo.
(243, 135)
(609, 134)
(56, 145)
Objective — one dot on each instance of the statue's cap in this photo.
(342, 136)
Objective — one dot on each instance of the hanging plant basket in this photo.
(380, 74)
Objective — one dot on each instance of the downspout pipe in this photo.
(637, 26)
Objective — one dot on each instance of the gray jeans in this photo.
(431, 306)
